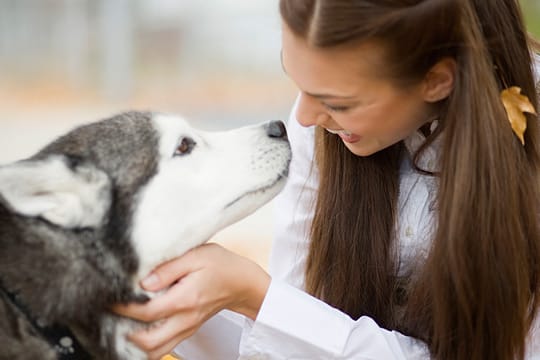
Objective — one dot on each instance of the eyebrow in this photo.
(329, 96)
(318, 96)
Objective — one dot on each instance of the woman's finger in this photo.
(166, 349)
(158, 308)
(167, 334)
(169, 272)
(131, 310)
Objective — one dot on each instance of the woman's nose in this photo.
(310, 112)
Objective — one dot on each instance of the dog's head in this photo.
(151, 179)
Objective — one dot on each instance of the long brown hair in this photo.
(476, 294)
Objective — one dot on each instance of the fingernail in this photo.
(150, 281)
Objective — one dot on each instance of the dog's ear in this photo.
(56, 189)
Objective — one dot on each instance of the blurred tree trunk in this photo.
(117, 48)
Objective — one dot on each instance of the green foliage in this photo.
(531, 12)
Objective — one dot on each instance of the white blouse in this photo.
(294, 325)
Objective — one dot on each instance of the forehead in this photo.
(124, 146)
(337, 69)
(169, 123)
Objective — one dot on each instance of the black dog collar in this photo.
(59, 337)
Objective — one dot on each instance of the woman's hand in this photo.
(202, 282)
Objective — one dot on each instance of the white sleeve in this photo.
(218, 338)
(294, 325)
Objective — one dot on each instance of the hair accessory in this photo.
(516, 105)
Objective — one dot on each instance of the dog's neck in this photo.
(59, 274)
(60, 338)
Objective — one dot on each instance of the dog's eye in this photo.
(185, 147)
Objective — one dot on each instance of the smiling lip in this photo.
(345, 135)
(349, 138)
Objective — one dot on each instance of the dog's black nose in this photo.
(276, 129)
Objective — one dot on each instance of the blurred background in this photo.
(67, 62)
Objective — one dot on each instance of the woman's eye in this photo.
(336, 108)
(185, 147)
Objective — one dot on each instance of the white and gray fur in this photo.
(86, 218)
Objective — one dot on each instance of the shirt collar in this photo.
(428, 160)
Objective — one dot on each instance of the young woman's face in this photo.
(341, 91)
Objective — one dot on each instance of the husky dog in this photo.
(87, 217)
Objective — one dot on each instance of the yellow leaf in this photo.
(515, 105)
(169, 357)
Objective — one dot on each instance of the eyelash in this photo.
(336, 108)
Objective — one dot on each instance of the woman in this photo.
(415, 233)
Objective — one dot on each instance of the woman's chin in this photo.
(360, 149)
